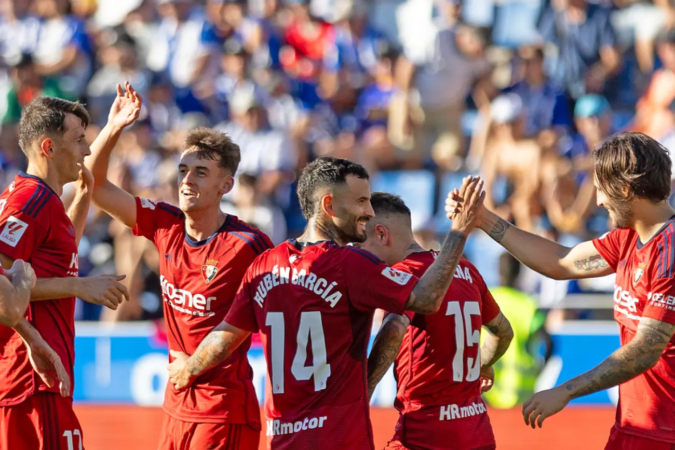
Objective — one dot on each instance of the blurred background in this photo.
(421, 92)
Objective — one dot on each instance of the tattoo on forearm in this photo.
(593, 263)
(499, 230)
(385, 349)
(629, 361)
(497, 341)
(212, 351)
(432, 287)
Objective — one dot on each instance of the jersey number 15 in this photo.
(310, 326)
(463, 326)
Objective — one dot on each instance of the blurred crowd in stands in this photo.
(420, 92)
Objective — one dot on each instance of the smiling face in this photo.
(201, 182)
(351, 208)
(69, 150)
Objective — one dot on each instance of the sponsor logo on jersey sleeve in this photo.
(13, 231)
(209, 270)
(148, 204)
(397, 276)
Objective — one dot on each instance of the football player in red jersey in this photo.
(35, 227)
(315, 289)
(440, 366)
(632, 177)
(204, 254)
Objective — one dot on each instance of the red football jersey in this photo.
(438, 367)
(313, 306)
(645, 287)
(34, 227)
(199, 282)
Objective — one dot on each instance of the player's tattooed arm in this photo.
(640, 354)
(499, 229)
(497, 340)
(428, 294)
(593, 262)
(385, 348)
(216, 347)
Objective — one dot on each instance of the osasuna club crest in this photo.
(638, 273)
(209, 270)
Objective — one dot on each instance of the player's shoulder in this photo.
(244, 235)
(28, 195)
(355, 254)
(167, 209)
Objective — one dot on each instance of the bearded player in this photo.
(315, 290)
(441, 368)
(204, 254)
(36, 411)
(632, 177)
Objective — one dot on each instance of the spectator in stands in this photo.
(18, 31)
(637, 23)
(545, 104)
(256, 210)
(454, 68)
(267, 154)
(586, 45)
(185, 47)
(654, 116)
(63, 49)
(118, 62)
(27, 84)
(508, 159)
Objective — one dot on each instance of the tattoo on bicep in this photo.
(594, 262)
(385, 349)
(499, 230)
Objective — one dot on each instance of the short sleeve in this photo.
(372, 284)
(609, 245)
(241, 313)
(22, 228)
(405, 268)
(152, 216)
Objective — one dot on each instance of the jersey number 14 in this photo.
(310, 327)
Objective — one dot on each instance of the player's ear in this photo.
(227, 184)
(47, 147)
(326, 204)
(381, 234)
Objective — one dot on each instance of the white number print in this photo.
(464, 327)
(68, 434)
(310, 328)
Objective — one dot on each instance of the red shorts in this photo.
(461, 426)
(179, 435)
(618, 440)
(44, 421)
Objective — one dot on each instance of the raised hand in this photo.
(106, 290)
(466, 212)
(126, 107)
(86, 178)
(48, 365)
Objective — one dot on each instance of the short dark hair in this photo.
(214, 145)
(46, 116)
(326, 171)
(634, 161)
(384, 203)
